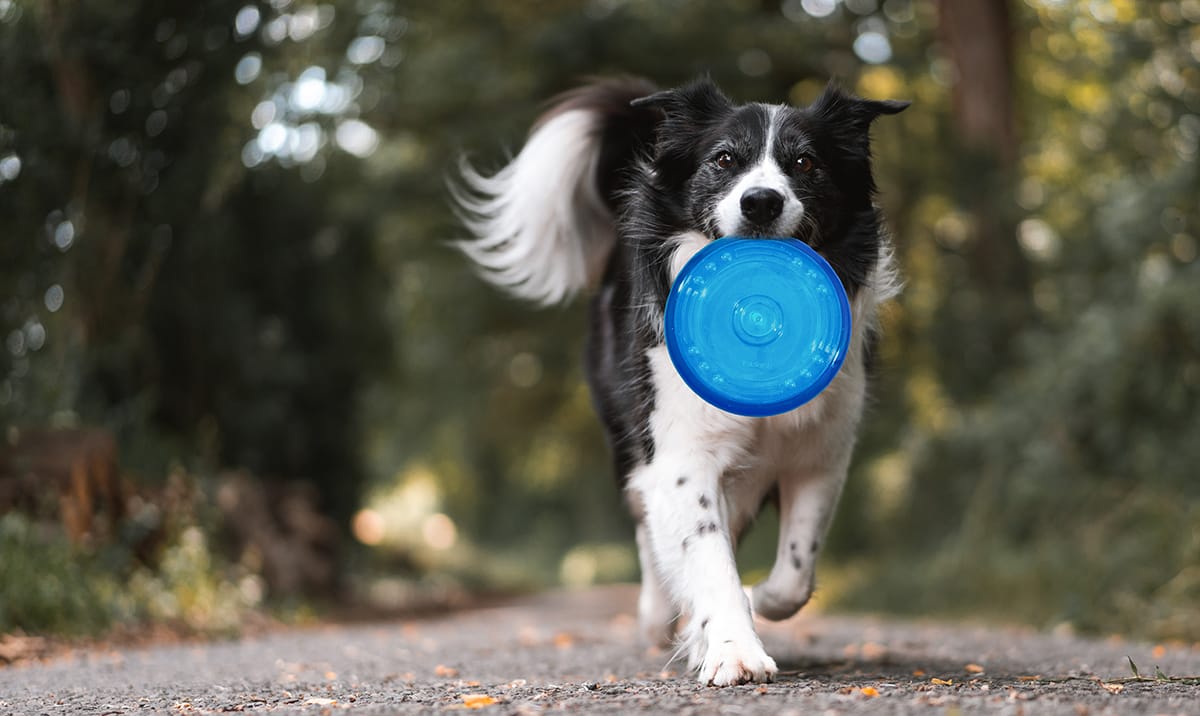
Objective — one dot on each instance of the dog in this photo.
(617, 186)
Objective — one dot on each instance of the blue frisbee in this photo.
(757, 327)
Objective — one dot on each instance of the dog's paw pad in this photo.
(732, 662)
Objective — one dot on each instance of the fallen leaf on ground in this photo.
(1159, 651)
(872, 651)
(1111, 688)
(870, 691)
(443, 670)
(918, 672)
(941, 682)
(477, 701)
(564, 640)
(973, 669)
(1029, 678)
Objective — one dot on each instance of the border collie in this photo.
(617, 186)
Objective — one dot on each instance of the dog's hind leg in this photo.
(806, 505)
(812, 470)
(657, 614)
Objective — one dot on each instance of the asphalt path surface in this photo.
(579, 652)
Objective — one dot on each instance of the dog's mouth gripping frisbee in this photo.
(757, 327)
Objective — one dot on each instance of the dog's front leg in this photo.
(686, 518)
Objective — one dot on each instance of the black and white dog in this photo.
(620, 185)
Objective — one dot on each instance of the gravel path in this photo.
(577, 651)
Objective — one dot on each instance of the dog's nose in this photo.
(761, 205)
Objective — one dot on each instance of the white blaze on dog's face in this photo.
(761, 200)
(758, 170)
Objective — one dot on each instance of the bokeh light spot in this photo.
(439, 531)
(10, 167)
(873, 47)
(365, 50)
(248, 68)
(813, 8)
(525, 370)
(368, 527)
(356, 137)
(53, 298)
(754, 63)
(246, 21)
(64, 235)
(309, 90)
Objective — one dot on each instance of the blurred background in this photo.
(242, 373)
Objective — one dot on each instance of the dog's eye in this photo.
(724, 160)
(804, 164)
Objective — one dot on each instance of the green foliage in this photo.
(45, 585)
(48, 585)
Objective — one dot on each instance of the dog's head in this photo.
(765, 170)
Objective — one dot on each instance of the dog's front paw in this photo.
(732, 662)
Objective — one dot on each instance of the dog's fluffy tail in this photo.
(544, 224)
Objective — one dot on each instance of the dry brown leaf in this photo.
(870, 691)
(941, 682)
(973, 668)
(477, 701)
(918, 672)
(1111, 688)
(564, 640)
(443, 670)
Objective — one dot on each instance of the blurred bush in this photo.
(162, 569)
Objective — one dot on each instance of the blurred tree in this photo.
(978, 39)
(201, 310)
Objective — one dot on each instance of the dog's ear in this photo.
(698, 99)
(680, 116)
(845, 123)
(842, 108)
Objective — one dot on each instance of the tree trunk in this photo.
(977, 36)
(978, 39)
